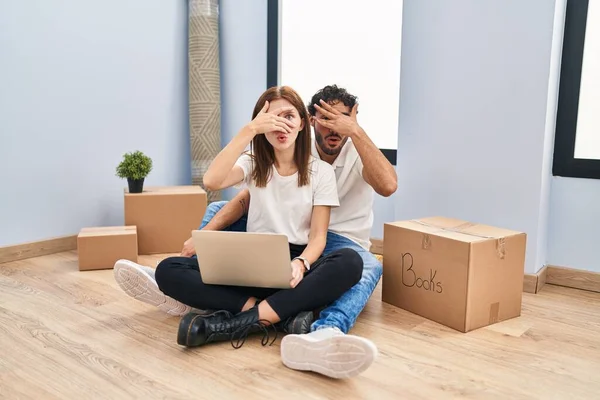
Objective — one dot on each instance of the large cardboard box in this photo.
(459, 274)
(165, 216)
(102, 247)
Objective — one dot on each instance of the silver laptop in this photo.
(243, 259)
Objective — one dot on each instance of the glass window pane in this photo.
(587, 142)
(353, 43)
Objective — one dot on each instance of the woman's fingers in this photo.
(277, 128)
(265, 108)
(286, 121)
(283, 126)
(280, 110)
(297, 276)
(293, 282)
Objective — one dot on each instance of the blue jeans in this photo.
(343, 312)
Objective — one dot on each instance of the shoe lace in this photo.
(244, 330)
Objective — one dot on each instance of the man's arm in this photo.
(377, 170)
(230, 213)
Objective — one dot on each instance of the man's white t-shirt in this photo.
(353, 219)
(282, 206)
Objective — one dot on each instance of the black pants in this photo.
(329, 278)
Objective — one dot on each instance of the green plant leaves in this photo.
(135, 165)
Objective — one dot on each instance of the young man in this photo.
(360, 169)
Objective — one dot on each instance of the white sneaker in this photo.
(328, 352)
(139, 282)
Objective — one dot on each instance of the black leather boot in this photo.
(197, 330)
(298, 324)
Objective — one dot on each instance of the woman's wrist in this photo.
(249, 130)
(307, 262)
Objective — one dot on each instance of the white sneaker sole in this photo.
(339, 357)
(136, 282)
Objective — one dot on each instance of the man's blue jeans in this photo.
(342, 313)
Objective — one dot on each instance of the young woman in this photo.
(292, 193)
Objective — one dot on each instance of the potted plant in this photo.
(135, 167)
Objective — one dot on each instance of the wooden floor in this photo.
(66, 334)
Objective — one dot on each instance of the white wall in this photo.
(82, 83)
(574, 228)
(383, 211)
(473, 140)
(243, 53)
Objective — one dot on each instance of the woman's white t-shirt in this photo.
(282, 206)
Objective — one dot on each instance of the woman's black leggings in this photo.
(328, 278)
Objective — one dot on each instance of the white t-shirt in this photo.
(282, 206)
(353, 219)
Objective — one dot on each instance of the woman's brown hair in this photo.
(263, 153)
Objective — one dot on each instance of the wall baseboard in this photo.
(377, 246)
(36, 249)
(573, 278)
(533, 283)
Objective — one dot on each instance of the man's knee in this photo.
(215, 207)
(371, 265)
(211, 210)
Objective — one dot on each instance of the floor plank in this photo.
(72, 334)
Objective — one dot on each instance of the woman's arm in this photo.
(230, 213)
(317, 240)
(222, 172)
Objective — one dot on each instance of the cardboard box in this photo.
(453, 272)
(100, 248)
(165, 216)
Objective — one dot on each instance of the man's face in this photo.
(330, 142)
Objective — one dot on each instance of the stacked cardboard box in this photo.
(158, 220)
(165, 216)
(100, 248)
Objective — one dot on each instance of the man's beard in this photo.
(325, 148)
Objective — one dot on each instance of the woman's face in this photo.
(279, 140)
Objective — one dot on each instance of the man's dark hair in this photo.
(331, 94)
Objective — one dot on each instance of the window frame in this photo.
(565, 164)
(273, 60)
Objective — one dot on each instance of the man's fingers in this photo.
(329, 108)
(354, 111)
(325, 122)
(325, 112)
